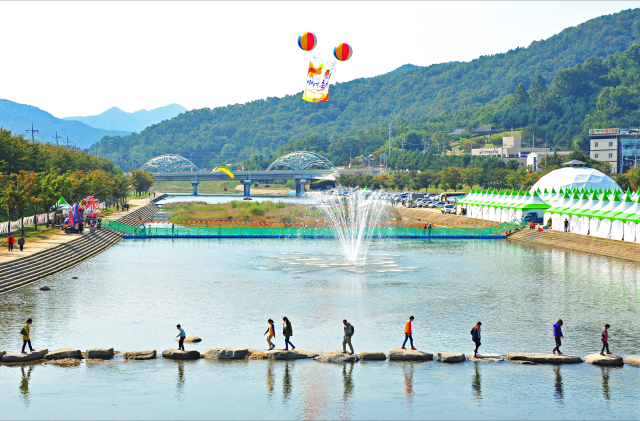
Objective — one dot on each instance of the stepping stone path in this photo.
(450, 357)
(100, 353)
(64, 353)
(543, 358)
(372, 356)
(486, 358)
(38, 354)
(192, 339)
(281, 354)
(140, 355)
(409, 355)
(633, 360)
(174, 354)
(598, 359)
(337, 357)
(226, 353)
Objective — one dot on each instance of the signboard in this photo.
(524, 154)
(603, 131)
(496, 151)
(384, 156)
(303, 180)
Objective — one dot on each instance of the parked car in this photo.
(438, 205)
(427, 203)
(449, 209)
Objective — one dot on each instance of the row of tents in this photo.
(602, 213)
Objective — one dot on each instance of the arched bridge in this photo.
(300, 168)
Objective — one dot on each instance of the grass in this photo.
(239, 210)
(31, 234)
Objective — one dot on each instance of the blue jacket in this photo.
(475, 335)
(557, 331)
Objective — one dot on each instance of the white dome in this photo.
(574, 177)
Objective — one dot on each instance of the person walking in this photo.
(287, 331)
(429, 230)
(10, 241)
(181, 336)
(26, 336)
(272, 334)
(566, 225)
(21, 242)
(557, 334)
(348, 333)
(605, 339)
(408, 333)
(475, 337)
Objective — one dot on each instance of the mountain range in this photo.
(116, 119)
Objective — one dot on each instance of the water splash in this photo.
(350, 218)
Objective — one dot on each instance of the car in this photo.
(449, 209)
(438, 204)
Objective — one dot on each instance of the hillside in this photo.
(433, 98)
(116, 119)
(18, 118)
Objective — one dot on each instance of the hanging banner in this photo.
(318, 74)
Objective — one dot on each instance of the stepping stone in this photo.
(38, 354)
(64, 353)
(281, 354)
(2, 354)
(99, 353)
(372, 356)
(193, 339)
(140, 355)
(45, 288)
(337, 357)
(523, 362)
(598, 359)
(409, 355)
(226, 353)
(450, 357)
(174, 354)
(541, 358)
(633, 360)
(486, 358)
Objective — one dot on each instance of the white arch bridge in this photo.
(298, 166)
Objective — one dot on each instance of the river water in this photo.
(132, 296)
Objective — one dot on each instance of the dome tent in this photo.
(574, 178)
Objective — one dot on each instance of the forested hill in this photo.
(423, 94)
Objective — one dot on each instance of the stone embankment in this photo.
(22, 272)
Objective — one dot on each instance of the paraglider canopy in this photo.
(224, 170)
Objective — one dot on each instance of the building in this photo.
(513, 150)
(484, 130)
(457, 131)
(618, 147)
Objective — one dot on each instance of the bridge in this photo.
(300, 164)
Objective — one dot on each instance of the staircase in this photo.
(22, 272)
(144, 213)
(579, 242)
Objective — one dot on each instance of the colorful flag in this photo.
(318, 75)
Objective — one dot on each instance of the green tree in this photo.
(538, 87)
(520, 96)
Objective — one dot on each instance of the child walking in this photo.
(557, 334)
(475, 337)
(605, 339)
(408, 333)
(181, 336)
(272, 333)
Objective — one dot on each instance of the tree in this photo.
(141, 180)
(570, 82)
(451, 177)
(616, 101)
(538, 87)
(472, 176)
(425, 179)
(520, 96)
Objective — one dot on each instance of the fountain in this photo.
(350, 217)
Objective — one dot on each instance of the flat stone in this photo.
(64, 353)
(38, 354)
(372, 356)
(633, 360)
(485, 358)
(337, 357)
(100, 353)
(2, 353)
(218, 353)
(598, 359)
(44, 288)
(543, 358)
(523, 362)
(409, 355)
(450, 357)
(174, 354)
(281, 354)
(140, 355)
(192, 339)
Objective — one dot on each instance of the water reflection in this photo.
(476, 384)
(180, 381)
(24, 384)
(407, 368)
(558, 386)
(286, 384)
(347, 380)
(605, 382)
(270, 380)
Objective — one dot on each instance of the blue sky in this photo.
(81, 58)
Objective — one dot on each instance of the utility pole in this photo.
(388, 167)
(32, 132)
(534, 140)
(67, 142)
(56, 137)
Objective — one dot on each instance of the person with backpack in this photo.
(604, 337)
(181, 335)
(408, 333)
(26, 336)
(21, 242)
(272, 334)
(475, 337)
(10, 241)
(349, 330)
(557, 334)
(287, 331)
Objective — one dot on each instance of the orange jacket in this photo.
(407, 327)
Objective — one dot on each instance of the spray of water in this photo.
(351, 219)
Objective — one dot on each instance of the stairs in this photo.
(22, 272)
(144, 213)
(579, 242)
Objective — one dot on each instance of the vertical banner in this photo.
(318, 74)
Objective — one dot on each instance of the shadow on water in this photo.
(605, 382)
(558, 392)
(24, 384)
(349, 386)
(476, 384)
(286, 384)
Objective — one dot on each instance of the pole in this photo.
(67, 142)
(57, 137)
(32, 132)
(388, 167)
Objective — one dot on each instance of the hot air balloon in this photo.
(343, 52)
(307, 41)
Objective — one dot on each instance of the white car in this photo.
(449, 209)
